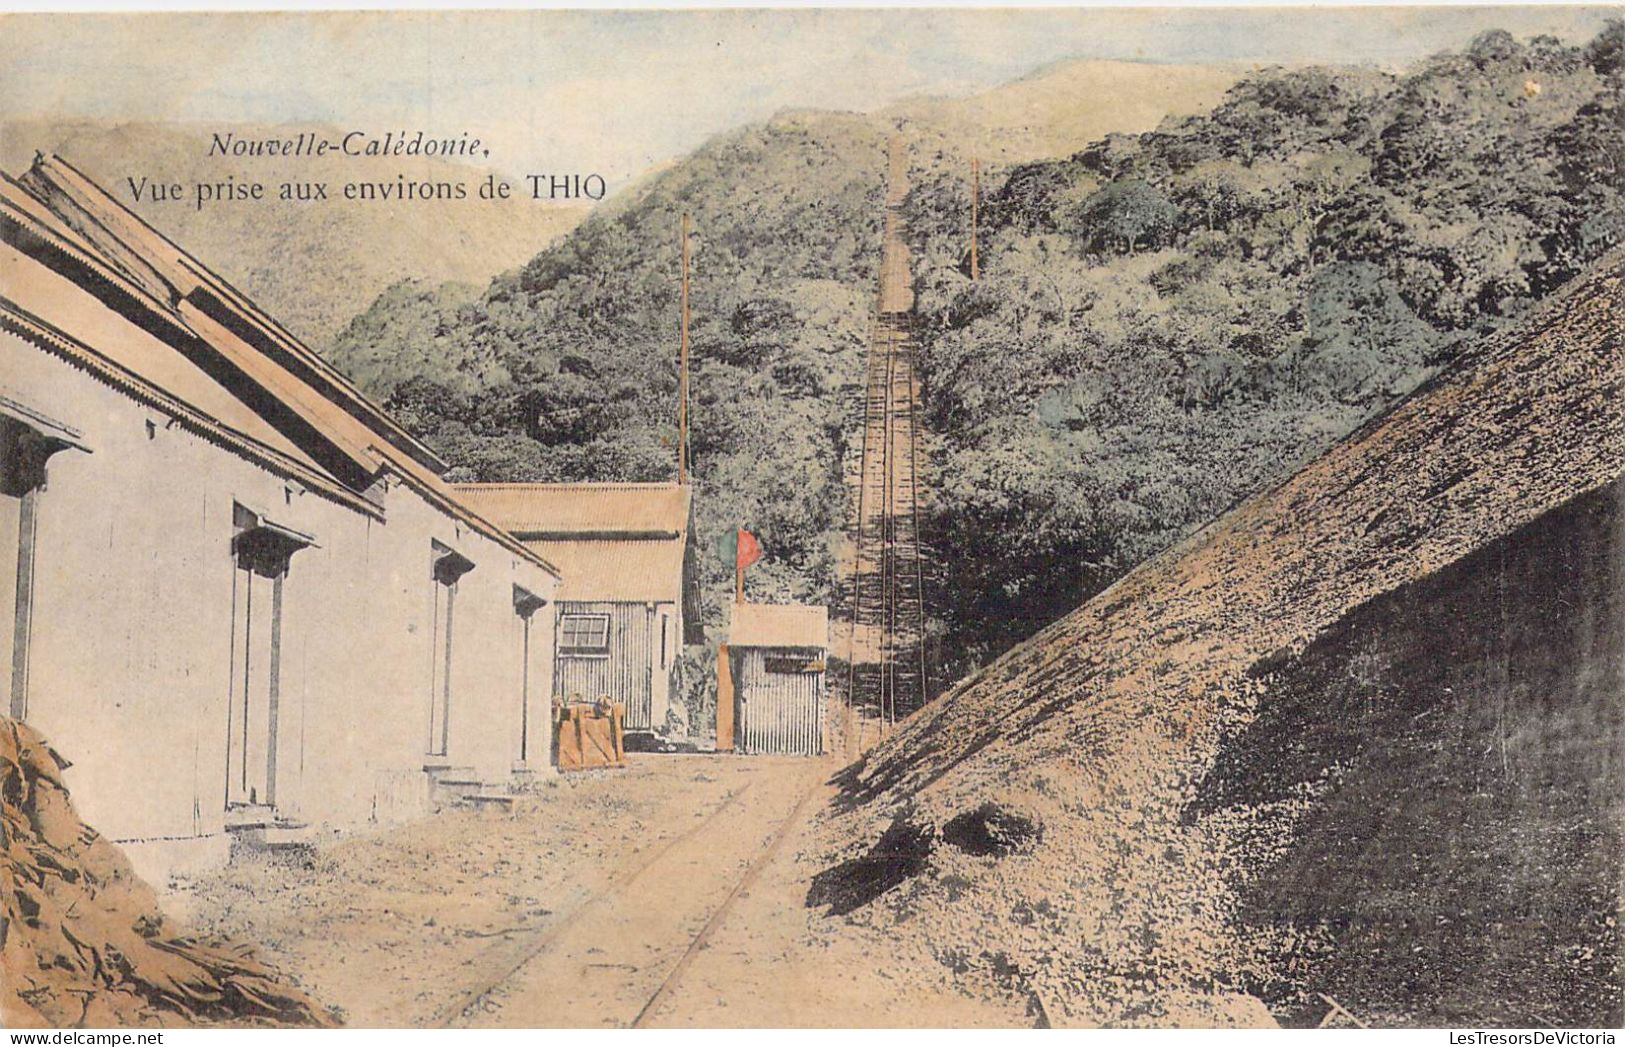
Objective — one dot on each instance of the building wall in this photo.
(778, 712)
(633, 672)
(131, 653)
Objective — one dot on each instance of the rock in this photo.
(87, 935)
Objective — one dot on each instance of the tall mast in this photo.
(682, 373)
(975, 202)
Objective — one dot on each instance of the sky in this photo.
(620, 92)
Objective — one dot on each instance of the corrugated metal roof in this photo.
(83, 356)
(611, 541)
(157, 263)
(615, 569)
(611, 511)
(41, 292)
(779, 625)
(67, 227)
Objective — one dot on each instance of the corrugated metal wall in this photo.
(626, 674)
(778, 712)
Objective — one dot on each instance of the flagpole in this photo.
(682, 373)
(739, 572)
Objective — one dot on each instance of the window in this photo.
(27, 441)
(665, 627)
(19, 516)
(584, 635)
(793, 665)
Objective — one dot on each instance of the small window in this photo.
(793, 665)
(584, 634)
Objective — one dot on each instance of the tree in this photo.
(1126, 213)
(1606, 51)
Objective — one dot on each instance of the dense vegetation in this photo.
(566, 368)
(1164, 322)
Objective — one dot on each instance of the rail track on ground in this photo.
(504, 966)
(753, 870)
(504, 958)
(885, 581)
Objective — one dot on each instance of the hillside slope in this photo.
(565, 369)
(1360, 736)
(313, 265)
(1166, 321)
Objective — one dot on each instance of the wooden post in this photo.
(682, 372)
(725, 700)
(975, 203)
(28, 531)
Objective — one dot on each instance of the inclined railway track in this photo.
(885, 586)
(884, 595)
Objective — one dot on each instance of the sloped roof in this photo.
(611, 541)
(577, 510)
(596, 569)
(1098, 726)
(778, 625)
(35, 291)
(158, 265)
(86, 278)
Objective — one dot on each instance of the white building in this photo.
(244, 599)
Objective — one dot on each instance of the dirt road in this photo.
(621, 948)
(669, 894)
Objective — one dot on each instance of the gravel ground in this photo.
(601, 878)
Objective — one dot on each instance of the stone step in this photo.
(448, 785)
(276, 837)
(503, 802)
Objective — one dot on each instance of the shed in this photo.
(628, 601)
(774, 668)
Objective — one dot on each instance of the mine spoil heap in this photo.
(1351, 753)
(82, 941)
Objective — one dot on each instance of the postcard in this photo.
(813, 518)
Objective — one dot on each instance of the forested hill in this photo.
(1165, 321)
(566, 368)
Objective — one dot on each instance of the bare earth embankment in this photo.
(1360, 738)
(83, 941)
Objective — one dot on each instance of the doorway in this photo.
(262, 554)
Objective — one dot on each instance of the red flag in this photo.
(750, 550)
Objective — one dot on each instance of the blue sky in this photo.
(618, 92)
